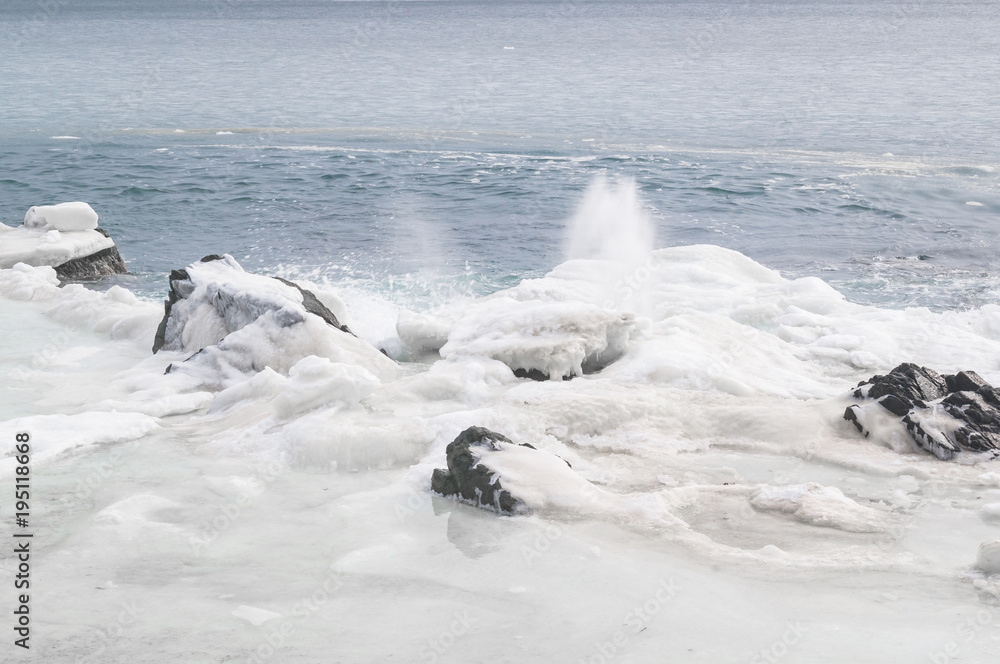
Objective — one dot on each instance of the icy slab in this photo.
(946, 415)
(63, 236)
(65, 217)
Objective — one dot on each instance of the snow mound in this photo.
(818, 505)
(65, 217)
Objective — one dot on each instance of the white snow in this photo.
(65, 217)
(52, 235)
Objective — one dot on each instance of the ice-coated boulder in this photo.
(945, 415)
(215, 296)
(235, 321)
(475, 479)
(64, 236)
(539, 339)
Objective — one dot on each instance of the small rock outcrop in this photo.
(65, 237)
(471, 479)
(945, 415)
(98, 264)
(230, 298)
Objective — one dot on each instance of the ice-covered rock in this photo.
(945, 415)
(216, 296)
(472, 476)
(235, 321)
(64, 236)
(540, 339)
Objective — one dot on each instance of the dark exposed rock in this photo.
(314, 306)
(907, 382)
(235, 306)
(98, 264)
(470, 479)
(945, 415)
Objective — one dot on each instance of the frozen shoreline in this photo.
(723, 480)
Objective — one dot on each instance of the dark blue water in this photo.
(369, 140)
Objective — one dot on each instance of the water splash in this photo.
(610, 224)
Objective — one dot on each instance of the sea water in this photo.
(819, 179)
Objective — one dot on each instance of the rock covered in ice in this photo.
(945, 415)
(540, 339)
(65, 237)
(216, 296)
(471, 475)
(235, 321)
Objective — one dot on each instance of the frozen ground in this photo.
(718, 509)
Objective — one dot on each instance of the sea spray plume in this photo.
(610, 224)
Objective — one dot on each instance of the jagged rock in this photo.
(235, 299)
(99, 264)
(471, 479)
(945, 415)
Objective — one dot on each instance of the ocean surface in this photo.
(852, 141)
(417, 157)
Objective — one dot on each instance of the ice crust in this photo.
(711, 451)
